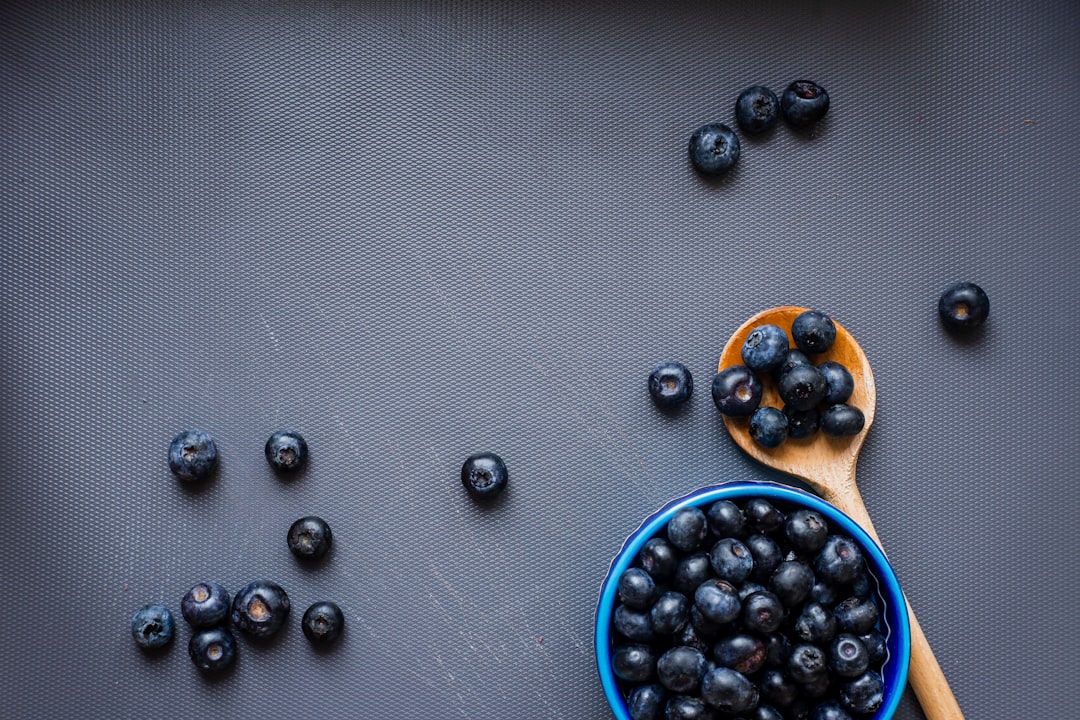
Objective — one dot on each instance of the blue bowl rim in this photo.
(894, 615)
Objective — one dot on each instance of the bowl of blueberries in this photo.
(751, 600)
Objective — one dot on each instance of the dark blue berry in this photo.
(765, 348)
(768, 427)
(807, 663)
(637, 589)
(813, 331)
(731, 560)
(802, 423)
(658, 558)
(804, 103)
(802, 387)
(687, 528)
(839, 560)
(842, 420)
(633, 663)
(766, 554)
(691, 571)
(963, 306)
(286, 451)
(725, 519)
(669, 613)
(193, 456)
(757, 109)
(212, 650)
(864, 694)
(713, 149)
(742, 652)
(322, 623)
(736, 391)
(646, 702)
(777, 649)
(762, 516)
(815, 624)
(703, 627)
(749, 586)
(829, 710)
(762, 612)
(792, 582)
(729, 691)
(876, 647)
(858, 615)
(817, 688)
(670, 383)
(806, 530)
(633, 624)
(764, 712)
(309, 538)
(838, 382)
(680, 669)
(205, 605)
(862, 586)
(688, 635)
(827, 593)
(152, 627)
(848, 657)
(793, 357)
(687, 707)
(777, 688)
(484, 476)
(717, 601)
(260, 608)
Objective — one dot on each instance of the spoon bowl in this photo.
(827, 464)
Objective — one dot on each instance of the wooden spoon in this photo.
(827, 465)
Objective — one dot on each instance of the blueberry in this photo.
(729, 691)
(680, 669)
(725, 519)
(633, 663)
(713, 149)
(864, 694)
(757, 109)
(212, 650)
(691, 571)
(762, 612)
(861, 586)
(807, 663)
(848, 657)
(829, 710)
(767, 556)
(802, 423)
(856, 615)
(804, 103)
(193, 456)
(806, 530)
(633, 624)
(792, 582)
(309, 538)
(777, 688)
(286, 451)
(742, 652)
(703, 627)
(736, 391)
(205, 605)
(717, 601)
(963, 306)
(793, 357)
(768, 427)
(838, 382)
(260, 608)
(658, 558)
(731, 560)
(484, 476)
(813, 332)
(762, 516)
(646, 702)
(687, 528)
(827, 593)
(669, 613)
(152, 627)
(322, 623)
(842, 420)
(670, 383)
(802, 387)
(876, 647)
(777, 649)
(815, 624)
(765, 712)
(687, 707)
(688, 635)
(839, 560)
(817, 688)
(636, 588)
(749, 586)
(765, 348)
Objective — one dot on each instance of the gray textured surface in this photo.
(418, 230)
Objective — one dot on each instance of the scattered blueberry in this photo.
(729, 691)
(864, 694)
(687, 529)
(193, 456)
(725, 519)
(637, 589)
(802, 423)
(793, 357)
(731, 560)
(736, 391)
(322, 623)
(714, 149)
(757, 109)
(767, 556)
(260, 608)
(484, 476)
(670, 383)
(804, 103)
(152, 627)
(876, 646)
(633, 663)
(633, 624)
(212, 650)
(691, 571)
(848, 657)
(802, 387)
(762, 612)
(646, 702)
(839, 560)
(806, 530)
(205, 605)
(838, 382)
(286, 451)
(963, 306)
(669, 613)
(768, 427)
(765, 348)
(717, 601)
(842, 420)
(680, 669)
(815, 624)
(309, 538)
(856, 615)
(658, 558)
(807, 663)
(792, 582)
(762, 516)
(813, 331)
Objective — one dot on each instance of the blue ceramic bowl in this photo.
(894, 618)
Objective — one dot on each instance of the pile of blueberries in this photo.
(714, 148)
(815, 396)
(259, 609)
(754, 611)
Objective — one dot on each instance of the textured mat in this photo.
(418, 230)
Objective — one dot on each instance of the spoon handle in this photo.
(925, 674)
